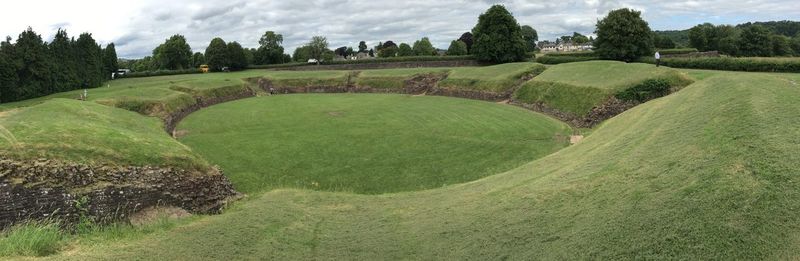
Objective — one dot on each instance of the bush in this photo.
(548, 59)
(573, 54)
(160, 73)
(645, 91)
(677, 51)
(376, 60)
(32, 239)
(751, 64)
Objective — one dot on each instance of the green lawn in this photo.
(709, 172)
(367, 143)
(306, 78)
(578, 87)
(496, 78)
(90, 133)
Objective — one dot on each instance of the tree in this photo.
(781, 45)
(173, 54)
(349, 51)
(467, 39)
(457, 48)
(317, 47)
(388, 51)
(579, 38)
(110, 64)
(198, 59)
(217, 54)
(33, 67)
(89, 61)
(9, 80)
(405, 50)
(498, 37)
(302, 54)
(795, 44)
(65, 75)
(270, 50)
(362, 47)
(237, 59)
(755, 41)
(662, 42)
(423, 47)
(707, 37)
(623, 35)
(530, 36)
(341, 51)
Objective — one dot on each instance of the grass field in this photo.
(496, 78)
(393, 78)
(705, 173)
(367, 143)
(578, 87)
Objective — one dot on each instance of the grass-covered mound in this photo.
(367, 143)
(90, 133)
(576, 88)
(306, 78)
(706, 173)
(497, 78)
(393, 78)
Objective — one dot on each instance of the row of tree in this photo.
(744, 40)
(31, 67)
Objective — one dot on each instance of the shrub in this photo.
(160, 73)
(376, 60)
(573, 54)
(32, 239)
(645, 91)
(677, 51)
(548, 59)
(751, 64)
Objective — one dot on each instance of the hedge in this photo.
(572, 54)
(160, 73)
(548, 59)
(677, 51)
(375, 60)
(747, 64)
(645, 91)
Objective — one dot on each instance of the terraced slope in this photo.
(497, 78)
(577, 88)
(709, 172)
(367, 143)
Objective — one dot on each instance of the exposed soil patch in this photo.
(575, 139)
(179, 133)
(154, 214)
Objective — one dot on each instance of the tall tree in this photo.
(110, 64)
(498, 37)
(362, 47)
(405, 50)
(317, 48)
(270, 50)
(174, 54)
(795, 44)
(578, 38)
(781, 45)
(423, 47)
(755, 41)
(302, 54)
(9, 80)
(89, 61)
(457, 48)
(623, 35)
(217, 54)
(467, 39)
(64, 75)
(198, 59)
(530, 36)
(237, 59)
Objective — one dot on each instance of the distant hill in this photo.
(680, 37)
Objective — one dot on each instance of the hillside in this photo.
(703, 173)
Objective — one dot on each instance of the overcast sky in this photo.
(136, 27)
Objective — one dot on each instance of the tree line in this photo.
(750, 39)
(31, 67)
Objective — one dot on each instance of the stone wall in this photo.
(384, 65)
(42, 189)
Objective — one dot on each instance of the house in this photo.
(547, 46)
(363, 55)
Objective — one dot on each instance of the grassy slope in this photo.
(496, 78)
(307, 78)
(367, 143)
(579, 87)
(91, 133)
(393, 78)
(707, 173)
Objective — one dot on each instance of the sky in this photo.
(136, 27)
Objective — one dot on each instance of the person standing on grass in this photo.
(658, 59)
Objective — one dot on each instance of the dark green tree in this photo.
(530, 36)
(781, 45)
(89, 61)
(405, 50)
(388, 51)
(35, 66)
(318, 47)
(423, 47)
(302, 54)
(9, 80)
(498, 37)
(270, 50)
(64, 74)
(174, 54)
(362, 47)
(795, 44)
(237, 59)
(110, 64)
(457, 48)
(579, 38)
(623, 35)
(699, 36)
(198, 59)
(217, 54)
(755, 41)
(467, 39)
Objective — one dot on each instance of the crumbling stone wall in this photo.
(42, 189)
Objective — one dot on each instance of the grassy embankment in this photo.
(576, 88)
(497, 78)
(708, 172)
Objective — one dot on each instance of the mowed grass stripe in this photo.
(367, 143)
